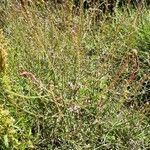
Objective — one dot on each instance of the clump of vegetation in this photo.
(8, 132)
(75, 81)
(143, 42)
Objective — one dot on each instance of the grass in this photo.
(72, 83)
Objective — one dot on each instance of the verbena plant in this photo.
(73, 82)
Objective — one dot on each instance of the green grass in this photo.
(71, 83)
